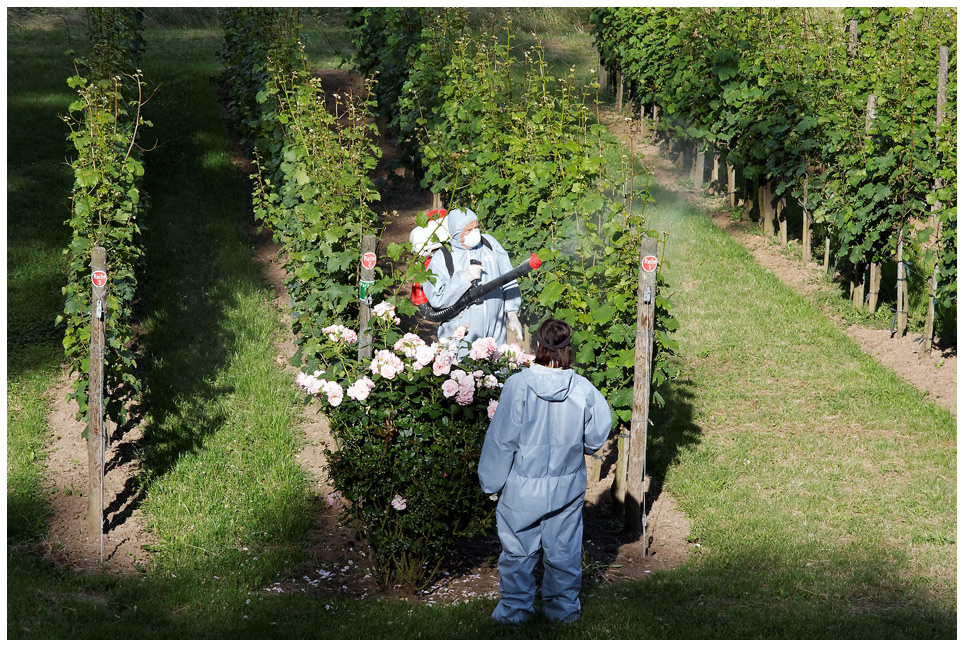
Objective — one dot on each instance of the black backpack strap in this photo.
(447, 254)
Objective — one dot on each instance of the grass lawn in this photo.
(822, 489)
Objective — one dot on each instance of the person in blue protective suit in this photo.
(474, 257)
(547, 418)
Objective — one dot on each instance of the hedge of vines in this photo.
(105, 125)
(783, 92)
(312, 188)
(495, 133)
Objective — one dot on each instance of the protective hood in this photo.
(457, 220)
(551, 384)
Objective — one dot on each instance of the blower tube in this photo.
(443, 314)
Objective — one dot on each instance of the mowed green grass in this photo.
(39, 181)
(810, 472)
(820, 487)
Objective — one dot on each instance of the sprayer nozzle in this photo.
(534, 261)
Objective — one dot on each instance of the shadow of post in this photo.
(672, 430)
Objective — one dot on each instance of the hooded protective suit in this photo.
(488, 317)
(546, 420)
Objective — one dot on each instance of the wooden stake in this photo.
(874, 286)
(619, 91)
(731, 185)
(928, 336)
(698, 175)
(620, 479)
(902, 307)
(781, 221)
(635, 510)
(95, 394)
(806, 226)
(715, 171)
(367, 278)
(857, 285)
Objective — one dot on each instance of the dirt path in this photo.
(935, 376)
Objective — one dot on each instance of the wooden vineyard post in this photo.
(620, 479)
(765, 208)
(858, 281)
(933, 222)
(806, 225)
(902, 307)
(715, 171)
(874, 286)
(365, 296)
(698, 174)
(635, 508)
(781, 220)
(750, 195)
(619, 90)
(731, 185)
(95, 395)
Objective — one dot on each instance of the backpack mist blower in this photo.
(470, 296)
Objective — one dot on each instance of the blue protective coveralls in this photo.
(546, 420)
(487, 318)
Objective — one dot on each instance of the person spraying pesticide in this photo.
(472, 260)
(547, 418)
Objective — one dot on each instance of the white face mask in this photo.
(472, 239)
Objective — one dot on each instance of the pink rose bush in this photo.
(408, 425)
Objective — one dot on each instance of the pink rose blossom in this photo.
(386, 364)
(491, 410)
(488, 381)
(483, 349)
(515, 356)
(408, 344)
(305, 381)
(464, 397)
(340, 334)
(333, 498)
(361, 389)
(449, 388)
(334, 392)
(461, 331)
(424, 355)
(398, 503)
(442, 363)
(311, 384)
(386, 311)
(466, 385)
